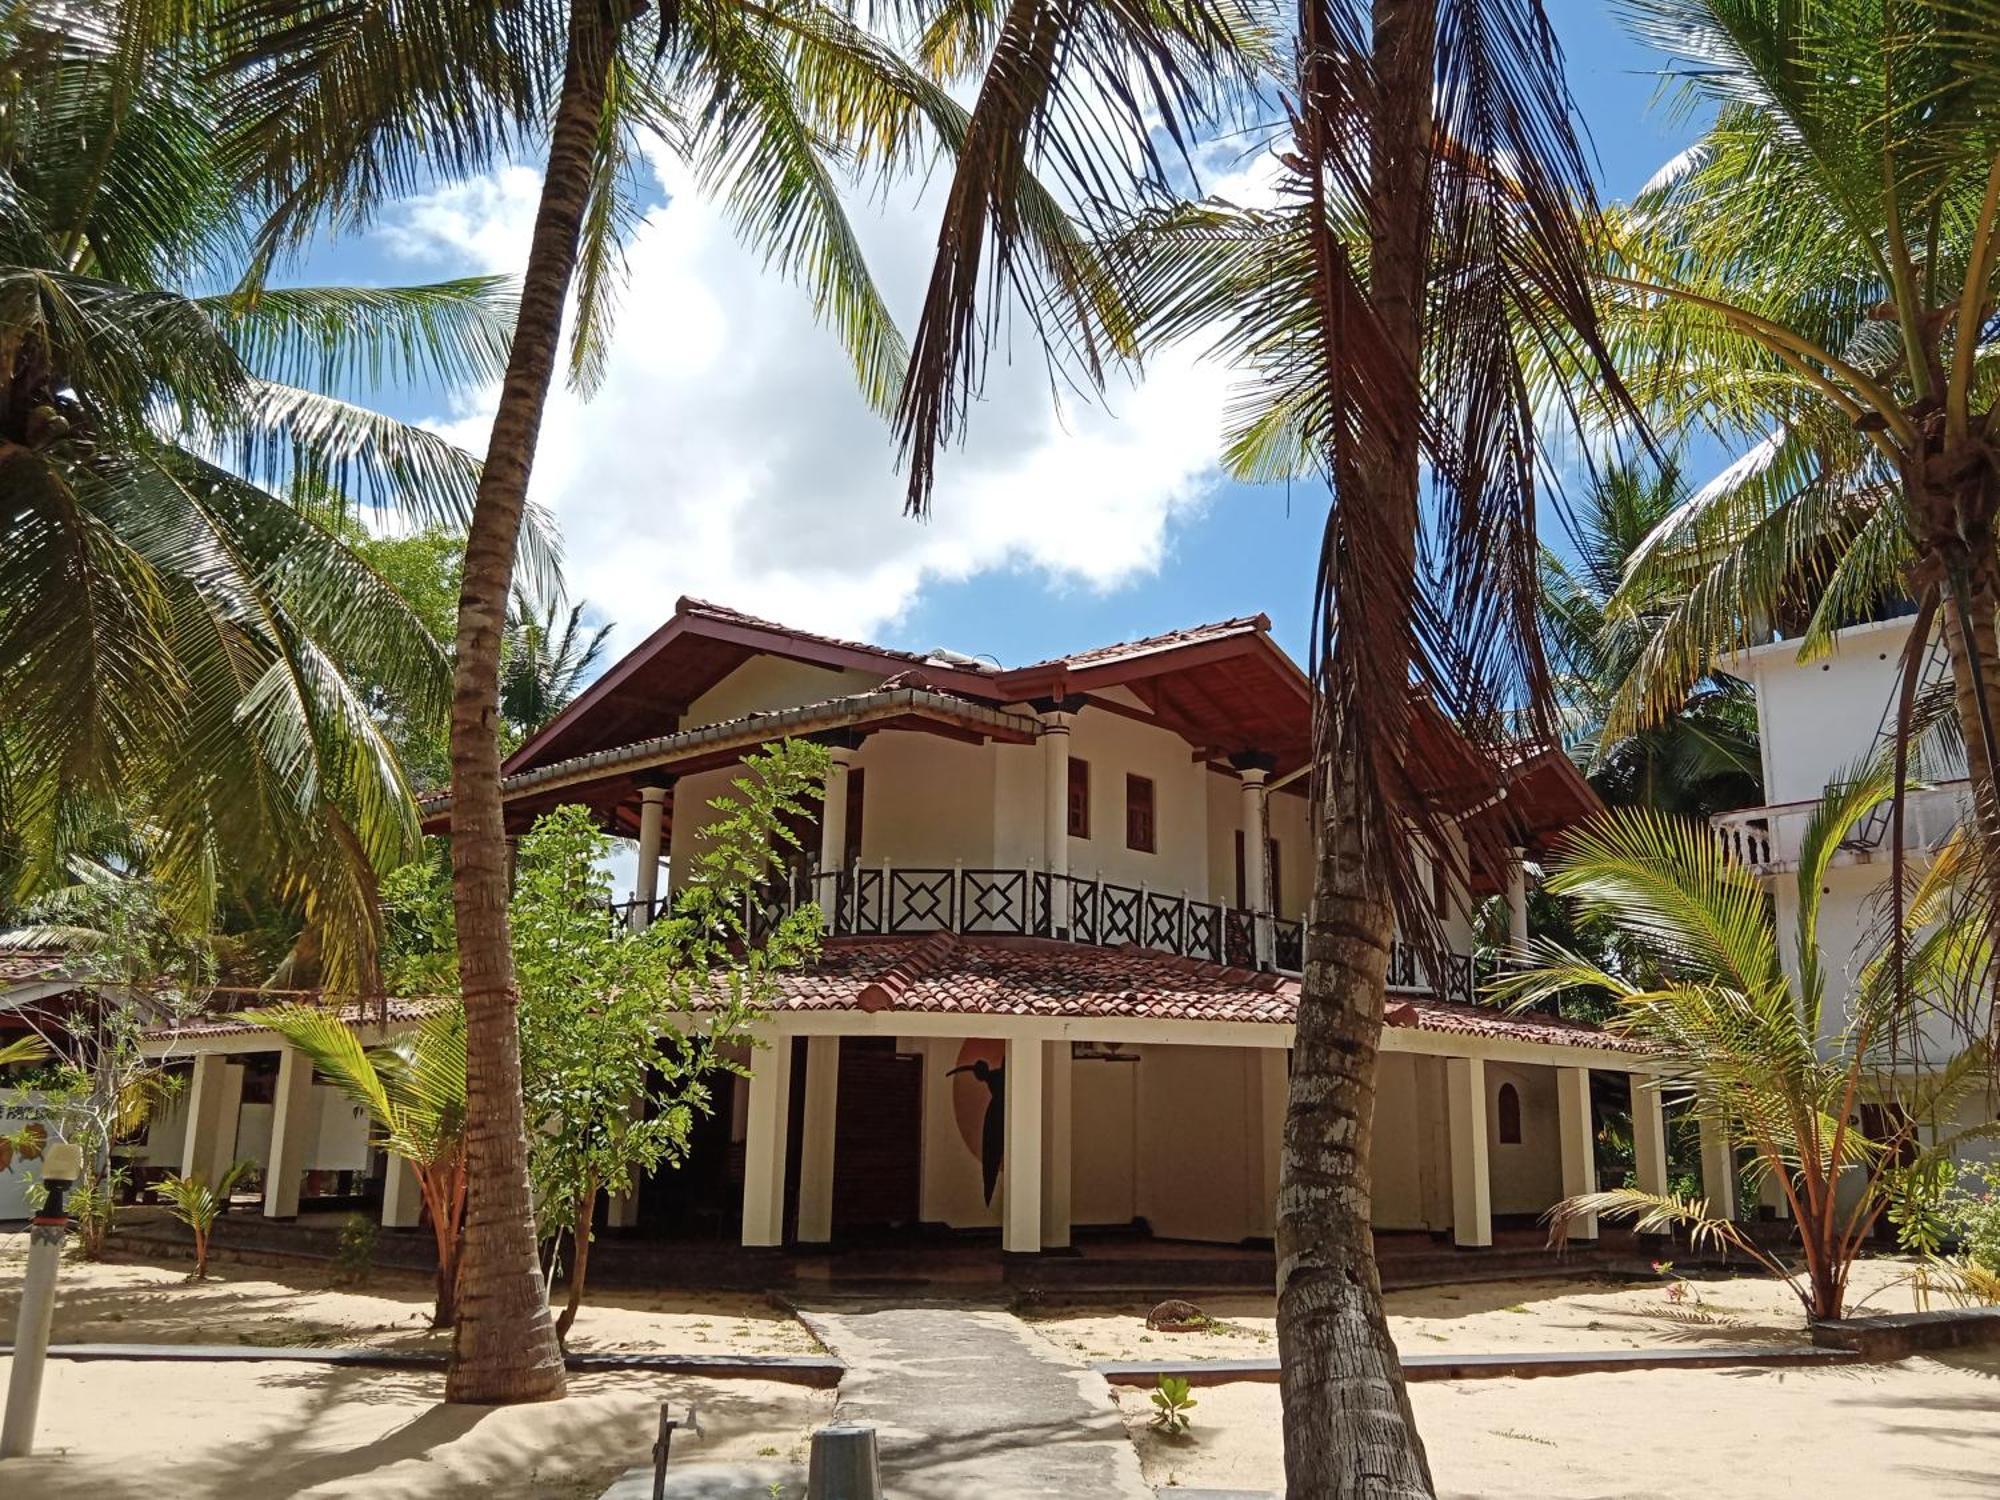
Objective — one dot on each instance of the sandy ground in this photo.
(131, 1301)
(259, 1432)
(1491, 1318)
(1927, 1427)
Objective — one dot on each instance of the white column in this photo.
(209, 1147)
(646, 888)
(1273, 1093)
(294, 1129)
(1471, 1162)
(1718, 1169)
(816, 1143)
(402, 1199)
(1055, 816)
(1057, 1147)
(1579, 1144)
(1649, 1135)
(764, 1141)
(1517, 900)
(1021, 1175)
(1256, 857)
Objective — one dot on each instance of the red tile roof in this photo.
(947, 974)
(366, 1014)
(27, 965)
(1011, 976)
(705, 609)
(1169, 640)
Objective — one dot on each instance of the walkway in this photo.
(972, 1404)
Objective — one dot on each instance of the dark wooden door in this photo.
(878, 1136)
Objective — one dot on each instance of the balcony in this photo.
(876, 901)
(1767, 839)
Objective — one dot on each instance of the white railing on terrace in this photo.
(1769, 838)
(884, 900)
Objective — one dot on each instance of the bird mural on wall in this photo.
(993, 1129)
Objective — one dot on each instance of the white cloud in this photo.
(728, 455)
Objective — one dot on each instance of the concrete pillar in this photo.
(1718, 1169)
(402, 1199)
(1274, 1083)
(816, 1143)
(213, 1103)
(1055, 815)
(1057, 1148)
(621, 1210)
(764, 1141)
(1578, 1136)
(294, 1130)
(1256, 858)
(1517, 901)
(1649, 1135)
(1021, 1176)
(832, 835)
(1471, 1162)
(646, 887)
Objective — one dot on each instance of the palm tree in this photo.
(546, 660)
(1839, 1111)
(1427, 220)
(198, 1203)
(181, 621)
(1814, 281)
(1700, 759)
(349, 102)
(414, 1090)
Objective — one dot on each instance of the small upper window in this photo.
(1274, 884)
(1079, 798)
(1139, 814)
(1509, 1110)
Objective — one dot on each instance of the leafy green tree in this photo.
(623, 1032)
(413, 1088)
(1814, 282)
(181, 622)
(1840, 1111)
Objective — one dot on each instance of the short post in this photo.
(844, 1465)
(61, 1165)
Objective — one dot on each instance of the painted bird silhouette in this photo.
(993, 1132)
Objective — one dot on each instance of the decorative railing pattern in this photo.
(886, 901)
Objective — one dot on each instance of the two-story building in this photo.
(1819, 718)
(1063, 913)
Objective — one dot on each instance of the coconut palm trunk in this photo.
(505, 1348)
(1348, 1427)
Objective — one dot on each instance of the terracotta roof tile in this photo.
(1166, 641)
(26, 965)
(354, 1014)
(708, 610)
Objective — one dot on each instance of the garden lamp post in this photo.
(60, 1166)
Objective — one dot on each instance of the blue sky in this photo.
(727, 456)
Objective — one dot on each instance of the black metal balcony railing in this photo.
(884, 901)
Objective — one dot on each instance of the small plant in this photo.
(197, 1205)
(354, 1255)
(1171, 1404)
(1680, 1291)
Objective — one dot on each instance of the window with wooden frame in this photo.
(1242, 876)
(857, 800)
(1508, 1108)
(1274, 888)
(1079, 798)
(1139, 832)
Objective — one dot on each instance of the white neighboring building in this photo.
(1817, 721)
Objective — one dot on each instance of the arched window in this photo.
(1510, 1115)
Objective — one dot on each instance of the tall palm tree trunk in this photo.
(1348, 1426)
(505, 1347)
(1974, 648)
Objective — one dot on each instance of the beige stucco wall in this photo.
(771, 682)
(928, 801)
(1526, 1178)
(1198, 1161)
(1116, 746)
